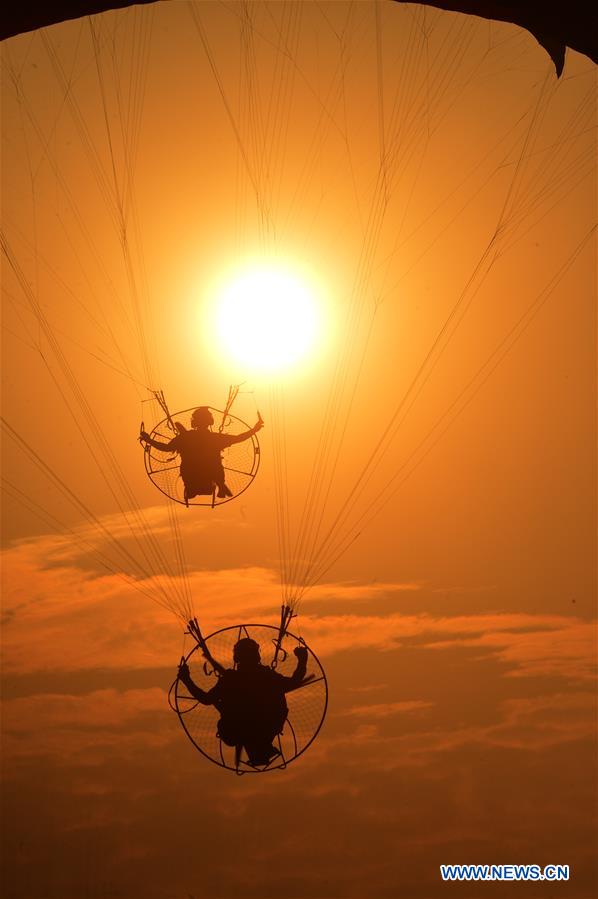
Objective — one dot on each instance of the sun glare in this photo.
(267, 319)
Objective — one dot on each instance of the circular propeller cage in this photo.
(240, 461)
(307, 703)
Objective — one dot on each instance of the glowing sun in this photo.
(267, 319)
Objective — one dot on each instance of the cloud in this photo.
(59, 617)
(546, 720)
(527, 644)
(387, 709)
(418, 769)
(84, 729)
(528, 724)
(530, 644)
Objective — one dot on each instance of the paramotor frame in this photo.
(240, 461)
(307, 703)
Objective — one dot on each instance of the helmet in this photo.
(246, 650)
(202, 416)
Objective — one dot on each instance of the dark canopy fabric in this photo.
(19, 16)
(555, 26)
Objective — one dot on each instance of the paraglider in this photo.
(250, 698)
(200, 450)
(261, 713)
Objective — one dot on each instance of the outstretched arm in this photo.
(298, 676)
(144, 437)
(203, 696)
(197, 635)
(239, 438)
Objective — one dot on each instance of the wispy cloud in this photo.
(60, 616)
(416, 739)
(83, 728)
(526, 644)
(387, 709)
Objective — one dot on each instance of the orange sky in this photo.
(439, 184)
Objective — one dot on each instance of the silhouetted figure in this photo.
(251, 700)
(201, 453)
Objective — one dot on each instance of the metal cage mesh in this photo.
(240, 461)
(307, 704)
